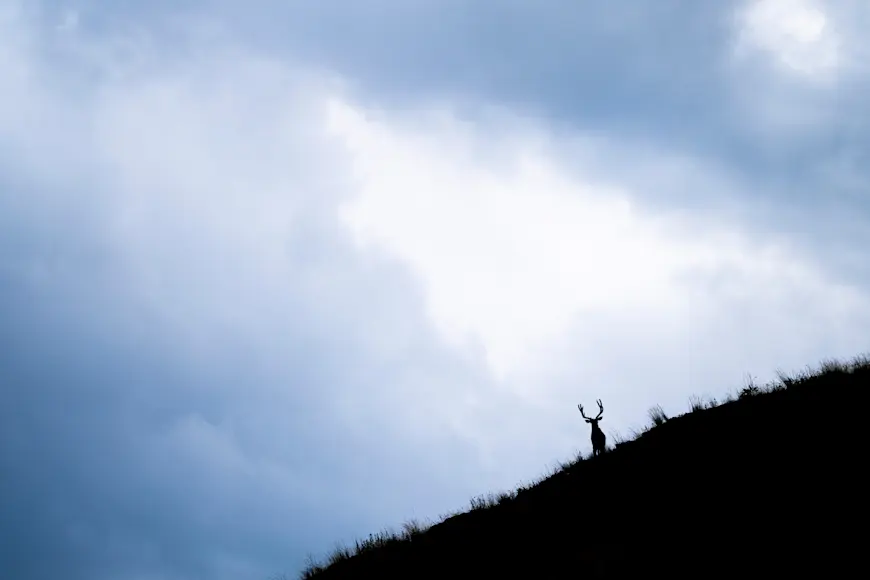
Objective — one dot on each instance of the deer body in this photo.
(599, 440)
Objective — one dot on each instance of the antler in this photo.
(581, 411)
(600, 409)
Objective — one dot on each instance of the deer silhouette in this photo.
(598, 438)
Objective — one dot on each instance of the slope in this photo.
(771, 483)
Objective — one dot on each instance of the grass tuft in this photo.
(658, 416)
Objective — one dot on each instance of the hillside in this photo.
(769, 484)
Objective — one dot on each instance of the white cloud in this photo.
(515, 251)
(797, 34)
(796, 73)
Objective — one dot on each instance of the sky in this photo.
(279, 274)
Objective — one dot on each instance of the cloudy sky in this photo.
(275, 274)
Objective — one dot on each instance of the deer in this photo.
(598, 438)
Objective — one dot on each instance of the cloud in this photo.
(517, 251)
(193, 355)
(797, 34)
(801, 63)
(259, 297)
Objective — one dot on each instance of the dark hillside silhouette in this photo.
(771, 485)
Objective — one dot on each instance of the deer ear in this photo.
(588, 420)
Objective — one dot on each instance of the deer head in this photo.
(596, 419)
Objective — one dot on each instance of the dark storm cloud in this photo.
(179, 400)
(126, 449)
(648, 69)
(661, 74)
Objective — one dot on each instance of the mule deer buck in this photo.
(598, 438)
